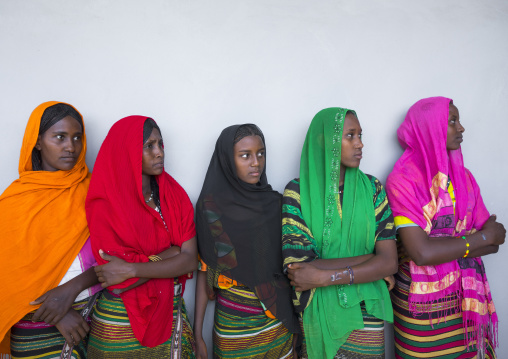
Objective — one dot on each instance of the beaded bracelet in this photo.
(467, 246)
(154, 258)
(351, 275)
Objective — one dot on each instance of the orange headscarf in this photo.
(42, 227)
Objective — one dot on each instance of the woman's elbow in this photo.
(393, 267)
(420, 259)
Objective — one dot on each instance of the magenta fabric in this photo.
(417, 189)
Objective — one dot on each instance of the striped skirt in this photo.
(242, 329)
(111, 335)
(366, 343)
(415, 337)
(42, 341)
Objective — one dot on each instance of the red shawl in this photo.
(123, 225)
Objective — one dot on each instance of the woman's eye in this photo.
(77, 138)
(360, 135)
(245, 155)
(261, 154)
(60, 137)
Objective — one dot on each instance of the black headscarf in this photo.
(239, 230)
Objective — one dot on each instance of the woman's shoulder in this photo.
(377, 186)
(293, 185)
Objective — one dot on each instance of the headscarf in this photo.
(239, 231)
(123, 225)
(339, 232)
(417, 189)
(42, 227)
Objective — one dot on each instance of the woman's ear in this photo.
(38, 143)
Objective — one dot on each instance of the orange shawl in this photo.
(42, 228)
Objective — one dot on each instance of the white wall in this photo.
(199, 66)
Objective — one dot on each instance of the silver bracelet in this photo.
(483, 236)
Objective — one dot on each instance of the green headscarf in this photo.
(335, 311)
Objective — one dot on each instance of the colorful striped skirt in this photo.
(42, 341)
(366, 343)
(415, 337)
(242, 329)
(111, 335)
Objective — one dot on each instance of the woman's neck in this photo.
(145, 185)
(342, 174)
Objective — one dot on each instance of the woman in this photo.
(143, 235)
(444, 228)
(238, 225)
(46, 256)
(337, 243)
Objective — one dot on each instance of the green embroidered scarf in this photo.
(339, 232)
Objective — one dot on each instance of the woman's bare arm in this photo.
(425, 250)
(118, 270)
(305, 276)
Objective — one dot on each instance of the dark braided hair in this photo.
(247, 130)
(148, 127)
(52, 115)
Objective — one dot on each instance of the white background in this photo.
(199, 66)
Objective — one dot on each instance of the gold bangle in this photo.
(154, 258)
(467, 246)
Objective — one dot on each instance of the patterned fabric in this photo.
(42, 341)
(417, 189)
(367, 343)
(242, 330)
(111, 335)
(298, 246)
(428, 335)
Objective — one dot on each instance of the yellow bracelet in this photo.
(467, 246)
(154, 258)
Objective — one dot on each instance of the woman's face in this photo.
(455, 129)
(61, 145)
(153, 154)
(351, 142)
(249, 155)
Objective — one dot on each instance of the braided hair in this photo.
(247, 130)
(52, 115)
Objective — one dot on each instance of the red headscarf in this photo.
(123, 225)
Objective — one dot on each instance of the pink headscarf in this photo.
(417, 189)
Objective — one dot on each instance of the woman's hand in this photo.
(402, 254)
(115, 272)
(201, 352)
(73, 327)
(494, 231)
(55, 304)
(390, 281)
(304, 276)
(140, 281)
